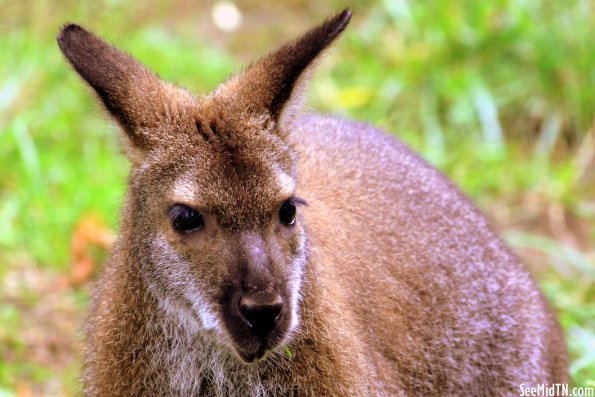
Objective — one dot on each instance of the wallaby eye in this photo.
(186, 219)
(287, 213)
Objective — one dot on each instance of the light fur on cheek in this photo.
(177, 272)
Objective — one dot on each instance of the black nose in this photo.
(261, 311)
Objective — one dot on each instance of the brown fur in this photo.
(391, 281)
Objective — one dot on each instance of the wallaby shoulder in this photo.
(413, 233)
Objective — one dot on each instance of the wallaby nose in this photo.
(261, 311)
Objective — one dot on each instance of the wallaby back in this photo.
(263, 253)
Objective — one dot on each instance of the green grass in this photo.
(499, 95)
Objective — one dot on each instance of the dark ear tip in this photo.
(336, 24)
(345, 16)
(67, 31)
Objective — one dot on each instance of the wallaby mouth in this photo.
(253, 357)
(251, 350)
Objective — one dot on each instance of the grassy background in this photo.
(499, 95)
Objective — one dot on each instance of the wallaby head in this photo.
(213, 216)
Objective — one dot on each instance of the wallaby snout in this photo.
(256, 322)
(255, 307)
(261, 311)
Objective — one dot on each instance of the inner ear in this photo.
(272, 84)
(132, 94)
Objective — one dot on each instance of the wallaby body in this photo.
(267, 254)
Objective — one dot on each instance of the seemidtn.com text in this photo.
(555, 390)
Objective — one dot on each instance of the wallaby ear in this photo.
(132, 94)
(274, 83)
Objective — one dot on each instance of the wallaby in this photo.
(264, 253)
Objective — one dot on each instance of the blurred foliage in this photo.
(499, 95)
